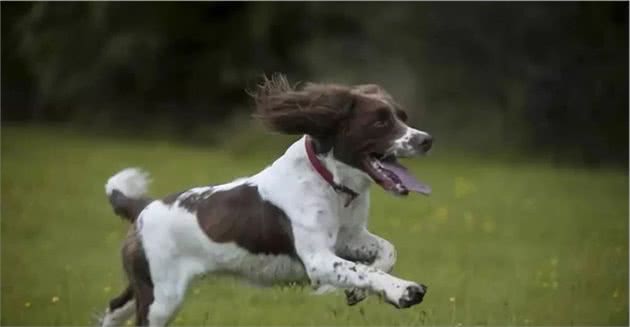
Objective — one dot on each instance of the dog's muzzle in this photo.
(412, 143)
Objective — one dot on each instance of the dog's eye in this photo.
(383, 118)
(381, 123)
(402, 115)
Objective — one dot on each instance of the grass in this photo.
(498, 243)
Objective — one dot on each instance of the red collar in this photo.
(325, 173)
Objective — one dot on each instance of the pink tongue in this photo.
(406, 179)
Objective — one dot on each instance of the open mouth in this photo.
(392, 176)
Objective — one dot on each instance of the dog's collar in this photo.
(325, 173)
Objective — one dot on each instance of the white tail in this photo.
(132, 182)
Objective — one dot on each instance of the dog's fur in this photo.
(283, 224)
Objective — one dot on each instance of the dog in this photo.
(301, 219)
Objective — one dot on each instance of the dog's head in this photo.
(362, 125)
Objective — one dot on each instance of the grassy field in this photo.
(498, 243)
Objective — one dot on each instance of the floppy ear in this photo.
(316, 109)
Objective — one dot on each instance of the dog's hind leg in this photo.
(120, 309)
(170, 285)
(137, 269)
(144, 298)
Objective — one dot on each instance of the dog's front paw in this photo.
(413, 295)
(406, 296)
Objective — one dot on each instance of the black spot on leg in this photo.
(313, 269)
(338, 277)
(336, 264)
(361, 277)
(353, 268)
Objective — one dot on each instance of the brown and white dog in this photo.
(303, 218)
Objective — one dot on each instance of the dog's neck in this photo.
(344, 174)
(295, 165)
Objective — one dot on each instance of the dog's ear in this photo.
(315, 109)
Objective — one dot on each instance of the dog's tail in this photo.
(127, 192)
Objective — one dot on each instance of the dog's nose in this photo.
(423, 142)
(427, 143)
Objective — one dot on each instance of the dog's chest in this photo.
(355, 215)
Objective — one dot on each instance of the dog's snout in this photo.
(427, 143)
(423, 142)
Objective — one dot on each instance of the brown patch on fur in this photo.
(240, 215)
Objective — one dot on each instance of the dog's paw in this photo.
(355, 295)
(406, 295)
(412, 295)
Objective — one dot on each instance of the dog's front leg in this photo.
(327, 268)
(323, 266)
(365, 247)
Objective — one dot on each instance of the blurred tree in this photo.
(536, 77)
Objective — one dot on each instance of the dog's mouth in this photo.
(387, 172)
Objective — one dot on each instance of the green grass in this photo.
(498, 243)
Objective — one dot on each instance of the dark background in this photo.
(538, 79)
